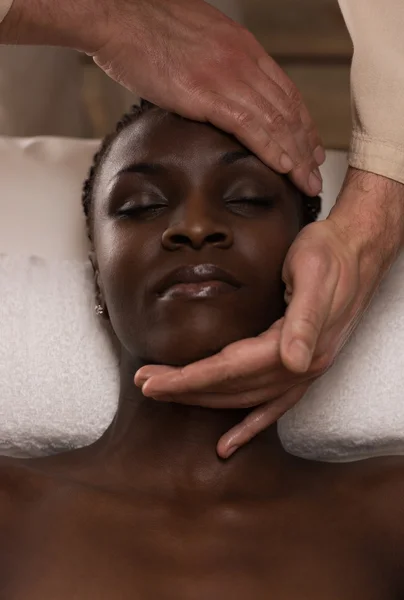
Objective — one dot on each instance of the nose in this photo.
(195, 227)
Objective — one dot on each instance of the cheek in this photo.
(125, 258)
(265, 246)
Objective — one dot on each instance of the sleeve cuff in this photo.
(377, 156)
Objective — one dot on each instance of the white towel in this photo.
(58, 369)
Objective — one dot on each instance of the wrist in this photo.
(69, 23)
(369, 215)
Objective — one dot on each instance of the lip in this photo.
(197, 281)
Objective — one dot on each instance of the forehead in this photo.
(166, 138)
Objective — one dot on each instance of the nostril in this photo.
(180, 239)
(216, 238)
(196, 239)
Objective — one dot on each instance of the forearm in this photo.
(71, 23)
(377, 85)
(370, 214)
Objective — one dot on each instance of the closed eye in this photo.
(248, 205)
(141, 209)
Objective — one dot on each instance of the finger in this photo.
(287, 128)
(289, 104)
(309, 151)
(240, 121)
(144, 373)
(271, 105)
(237, 401)
(315, 140)
(272, 374)
(313, 278)
(275, 87)
(259, 420)
(241, 359)
(307, 136)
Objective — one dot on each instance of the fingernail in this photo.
(315, 182)
(147, 392)
(286, 163)
(319, 155)
(231, 451)
(299, 355)
(150, 393)
(318, 174)
(141, 376)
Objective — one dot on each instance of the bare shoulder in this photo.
(379, 484)
(383, 478)
(378, 481)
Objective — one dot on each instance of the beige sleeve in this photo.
(377, 85)
(5, 6)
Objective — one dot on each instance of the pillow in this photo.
(58, 370)
(40, 191)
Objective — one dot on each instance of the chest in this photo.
(142, 553)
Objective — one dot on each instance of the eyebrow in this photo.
(145, 168)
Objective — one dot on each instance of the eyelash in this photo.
(153, 210)
(252, 202)
(262, 200)
(147, 211)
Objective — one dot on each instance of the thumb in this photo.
(311, 282)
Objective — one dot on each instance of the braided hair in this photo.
(310, 206)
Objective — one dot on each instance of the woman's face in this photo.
(190, 232)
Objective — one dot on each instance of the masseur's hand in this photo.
(187, 57)
(331, 272)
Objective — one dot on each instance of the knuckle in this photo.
(244, 119)
(201, 99)
(248, 400)
(245, 402)
(269, 147)
(308, 322)
(216, 106)
(313, 137)
(277, 121)
(316, 263)
(294, 96)
(292, 116)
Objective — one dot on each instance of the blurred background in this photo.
(46, 91)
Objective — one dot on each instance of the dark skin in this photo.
(149, 511)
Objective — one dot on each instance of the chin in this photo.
(183, 333)
(188, 345)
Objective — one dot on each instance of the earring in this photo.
(99, 310)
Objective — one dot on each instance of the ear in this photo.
(99, 294)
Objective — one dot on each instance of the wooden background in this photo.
(308, 38)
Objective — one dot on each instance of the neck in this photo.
(167, 448)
